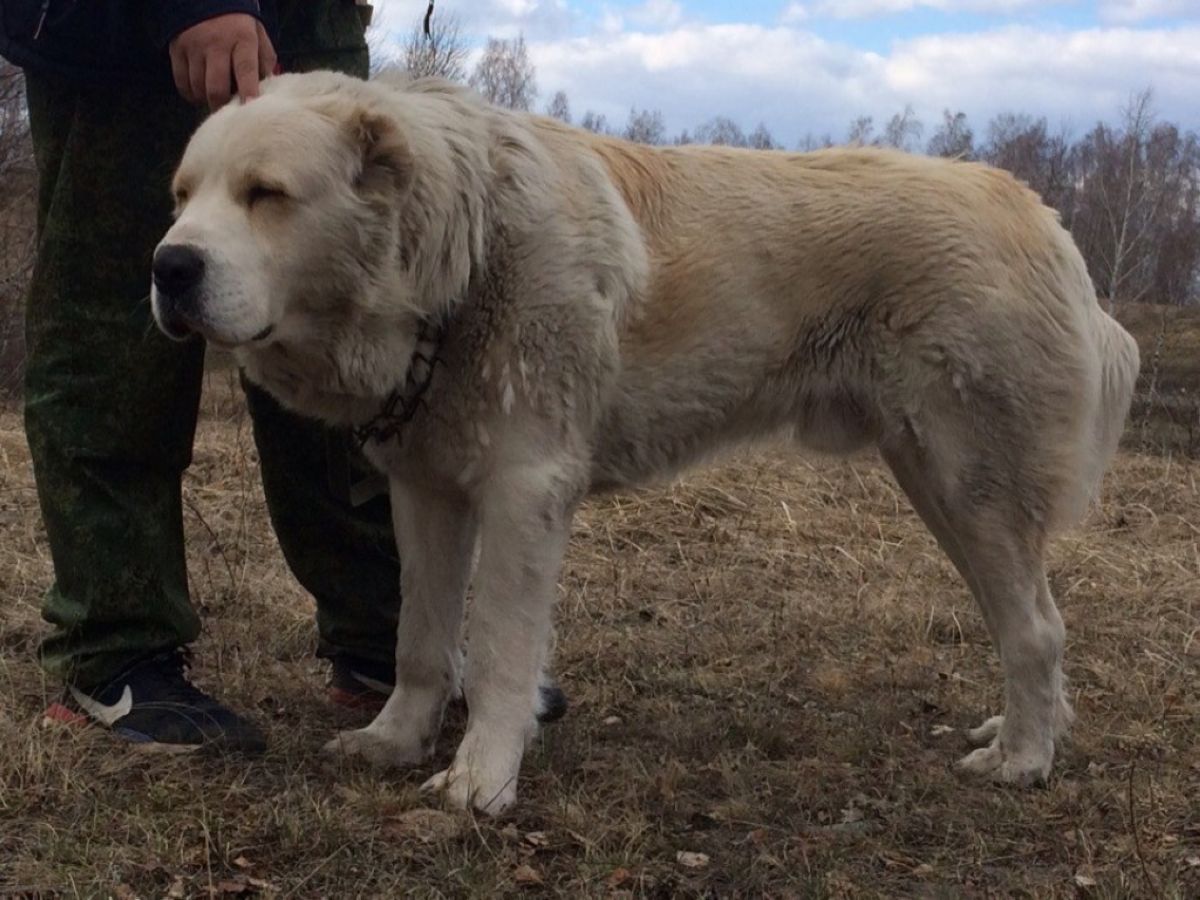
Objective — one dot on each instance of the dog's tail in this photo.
(1119, 361)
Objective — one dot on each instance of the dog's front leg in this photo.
(435, 536)
(525, 522)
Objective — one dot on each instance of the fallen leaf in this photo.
(526, 874)
(176, 891)
(1084, 881)
(124, 892)
(235, 886)
(619, 877)
(242, 863)
(537, 839)
(939, 730)
(613, 720)
(1193, 862)
(691, 860)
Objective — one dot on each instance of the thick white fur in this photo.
(618, 312)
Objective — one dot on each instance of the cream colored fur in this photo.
(616, 313)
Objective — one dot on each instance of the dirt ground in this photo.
(771, 667)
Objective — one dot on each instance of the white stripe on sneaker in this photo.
(374, 684)
(108, 715)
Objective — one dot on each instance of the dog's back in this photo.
(839, 295)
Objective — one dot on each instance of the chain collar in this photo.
(403, 403)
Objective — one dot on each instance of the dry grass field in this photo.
(771, 667)
(1166, 410)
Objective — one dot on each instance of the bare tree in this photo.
(953, 138)
(594, 122)
(760, 139)
(645, 126)
(811, 142)
(558, 108)
(380, 51)
(441, 53)
(1024, 146)
(903, 130)
(505, 75)
(1138, 195)
(720, 130)
(861, 132)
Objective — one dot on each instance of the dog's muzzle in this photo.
(178, 271)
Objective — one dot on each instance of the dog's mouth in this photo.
(175, 330)
(222, 344)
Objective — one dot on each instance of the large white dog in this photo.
(513, 313)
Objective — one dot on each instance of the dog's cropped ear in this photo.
(386, 160)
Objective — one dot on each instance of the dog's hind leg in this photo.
(435, 536)
(998, 548)
(525, 522)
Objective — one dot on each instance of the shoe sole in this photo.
(58, 715)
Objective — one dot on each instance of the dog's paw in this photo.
(1026, 766)
(464, 789)
(986, 732)
(478, 779)
(376, 747)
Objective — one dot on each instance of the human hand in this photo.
(212, 56)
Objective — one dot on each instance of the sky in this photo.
(809, 67)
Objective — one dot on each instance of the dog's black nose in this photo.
(177, 269)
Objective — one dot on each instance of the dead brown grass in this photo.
(770, 664)
(1166, 407)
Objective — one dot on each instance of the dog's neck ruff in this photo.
(404, 401)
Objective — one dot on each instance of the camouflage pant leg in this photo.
(110, 404)
(344, 556)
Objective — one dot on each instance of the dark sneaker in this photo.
(152, 703)
(362, 684)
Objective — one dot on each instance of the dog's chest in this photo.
(449, 438)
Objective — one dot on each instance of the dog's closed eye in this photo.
(181, 198)
(259, 192)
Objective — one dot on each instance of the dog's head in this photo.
(287, 215)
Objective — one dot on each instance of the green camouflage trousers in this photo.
(111, 405)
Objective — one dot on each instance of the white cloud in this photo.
(657, 14)
(536, 19)
(798, 83)
(1127, 11)
(794, 14)
(863, 9)
(611, 21)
